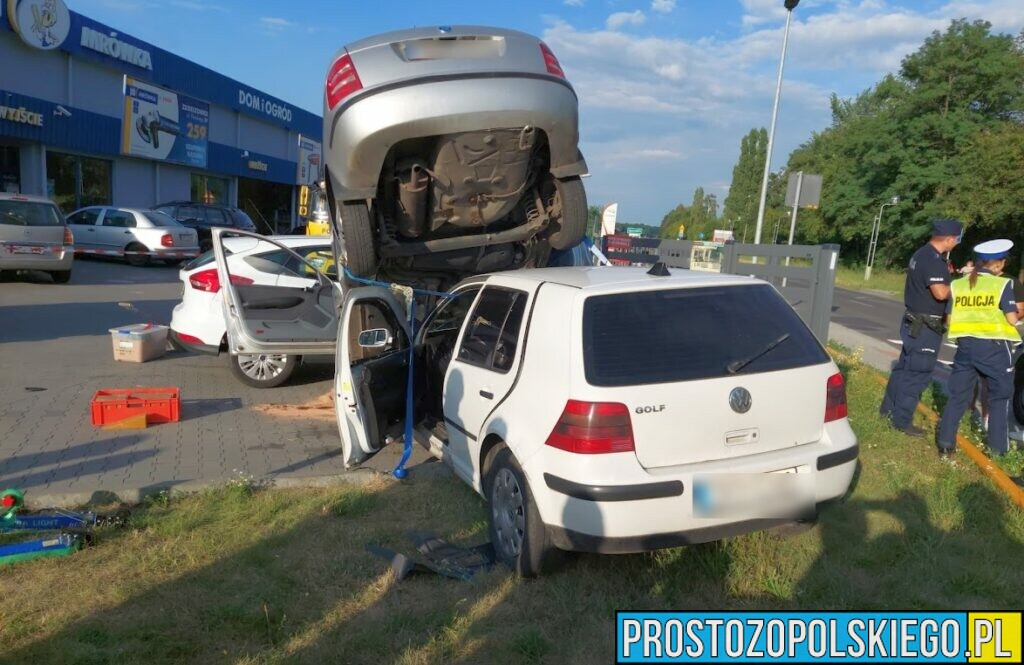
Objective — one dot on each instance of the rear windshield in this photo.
(29, 213)
(685, 334)
(158, 218)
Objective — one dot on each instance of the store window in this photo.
(10, 170)
(76, 182)
(208, 189)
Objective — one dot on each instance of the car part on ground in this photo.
(452, 152)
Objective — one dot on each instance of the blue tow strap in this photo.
(400, 471)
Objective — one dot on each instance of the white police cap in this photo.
(993, 249)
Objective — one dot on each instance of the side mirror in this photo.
(374, 339)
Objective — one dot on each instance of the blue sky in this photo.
(667, 87)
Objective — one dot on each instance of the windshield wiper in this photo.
(737, 365)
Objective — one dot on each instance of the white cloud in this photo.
(621, 19)
(196, 6)
(275, 22)
(663, 6)
(573, 3)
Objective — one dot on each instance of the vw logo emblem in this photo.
(740, 400)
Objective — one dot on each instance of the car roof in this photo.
(10, 196)
(241, 244)
(613, 278)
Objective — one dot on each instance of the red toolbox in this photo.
(111, 405)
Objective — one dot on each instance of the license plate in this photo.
(752, 496)
(26, 249)
(184, 236)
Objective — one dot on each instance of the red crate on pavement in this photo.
(111, 405)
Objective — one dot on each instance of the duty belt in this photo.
(915, 320)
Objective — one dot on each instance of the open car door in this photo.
(282, 316)
(371, 371)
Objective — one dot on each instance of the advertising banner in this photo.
(163, 125)
(608, 216)
(309, 161)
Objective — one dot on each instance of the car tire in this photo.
(135, 259)
(263, 370)
(60, 276)
(519, 537)
(357, 234)
(570, 228)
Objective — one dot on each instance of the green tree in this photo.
(669, 227)
(593, 220)
(745, 190)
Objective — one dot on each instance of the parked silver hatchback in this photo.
(452, 150)
(34, 236)
(141, 236)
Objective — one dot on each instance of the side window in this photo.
(321, 257)
(86, 217)
(119, 218)
(493, 333)
(449, 316)
(374, 315)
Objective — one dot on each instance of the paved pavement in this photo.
(55, 352)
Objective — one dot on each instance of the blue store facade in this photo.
(90, 115)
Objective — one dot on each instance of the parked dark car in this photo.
(204, 216)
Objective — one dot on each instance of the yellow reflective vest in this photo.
(976, 312)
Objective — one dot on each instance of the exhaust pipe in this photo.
(411, 216)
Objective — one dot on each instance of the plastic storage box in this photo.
(111, 405)
(139, 342)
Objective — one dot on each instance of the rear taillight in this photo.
(69, 238)
(591, 428)
(189, 339)
(209, 281)
(342, 81)
(835, 398)
(550, 61)
(167, 240)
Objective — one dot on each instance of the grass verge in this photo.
(886, 281)
(269, 576)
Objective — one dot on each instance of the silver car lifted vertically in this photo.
(450, 151)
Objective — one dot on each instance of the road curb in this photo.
(137, 495)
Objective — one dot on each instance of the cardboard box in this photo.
(139, 342)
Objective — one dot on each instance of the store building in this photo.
(90, 115)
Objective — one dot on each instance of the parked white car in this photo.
(141, 236)
(197, 323)
(595, 409)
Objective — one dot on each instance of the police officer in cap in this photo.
(982, 319)
(924, 295)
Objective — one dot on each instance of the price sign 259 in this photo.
(196, 131)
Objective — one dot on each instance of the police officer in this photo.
(924, 295)
(982, 320)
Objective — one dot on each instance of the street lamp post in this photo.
(790, 6)
(876, 227)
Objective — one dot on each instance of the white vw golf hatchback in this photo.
(594, 409)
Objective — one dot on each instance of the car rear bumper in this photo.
(645, 510)
(54, 257)
(191, 345)
(359, 133)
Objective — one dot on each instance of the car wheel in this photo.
(357, 233)
(263, 370)
(570, 228)
(60, 276)
(137, 260)
(519, 537)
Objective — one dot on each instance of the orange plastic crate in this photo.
(111, 405)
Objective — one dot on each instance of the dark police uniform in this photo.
(921, 333)
(991, 357)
